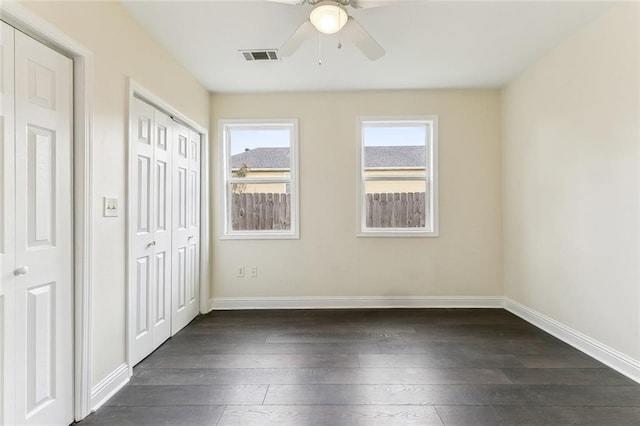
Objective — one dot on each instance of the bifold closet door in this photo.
(36, 233)
(186, 227)
(151, 274)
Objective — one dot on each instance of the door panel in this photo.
(180, 278)
(144, 194)
(162, 180)
(44, 290)
(181, 196)
(193, 238)
(41, 180)
(161, 296)
(186, 183)
(142, 296)
(41, 85)
(142, 181)
(41, 356)
(151, 295)
(162, 232)
(194, 268)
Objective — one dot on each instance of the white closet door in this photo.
(165, 207)
(7, 226)
(142, 269)
(151, 274)
(162, 229)
(186, 221)
(193, 240)
(43, 276)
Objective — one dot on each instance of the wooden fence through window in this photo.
(272, 211)
(395, 210)
(260, 211)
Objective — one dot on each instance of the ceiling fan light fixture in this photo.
(328, 17)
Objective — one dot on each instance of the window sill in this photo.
(397, 234)
(260, 236)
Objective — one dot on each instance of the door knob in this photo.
(152, 243)
(22, 270)
(190, 237)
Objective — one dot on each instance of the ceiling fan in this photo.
(329, 17)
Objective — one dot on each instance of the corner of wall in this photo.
(109, 386)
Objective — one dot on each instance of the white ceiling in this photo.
(429, 44)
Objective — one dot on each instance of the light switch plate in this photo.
(110, 207)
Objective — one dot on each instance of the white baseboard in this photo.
(108, 386)
(223, 303)
(603, 353)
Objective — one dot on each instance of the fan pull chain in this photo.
(319, 49)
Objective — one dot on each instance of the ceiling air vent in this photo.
(260, 55)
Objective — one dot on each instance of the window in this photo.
(260, 178)
(398, 177)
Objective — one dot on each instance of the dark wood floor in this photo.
(369, 367)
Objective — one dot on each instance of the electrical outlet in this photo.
(254, 272)
(240, 271)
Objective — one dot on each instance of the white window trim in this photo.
(226, 233)
(431, 179)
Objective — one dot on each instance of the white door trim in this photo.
(31, 24)
(136, 90)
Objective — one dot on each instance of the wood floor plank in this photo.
(212, 346)
(135, 396)
(206, 415)
(621, 396)
(567, 376)
(334, 337)
(311, 327)
(398, 394)
(573, 360)
(285, 376)
(536, 415)
(222, 335)
(505, 347)
(172, 360)
(424, 336)
(438, 360)
(330, 415)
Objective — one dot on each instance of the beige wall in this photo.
(121, 48)
(328, 259)
(571, 182)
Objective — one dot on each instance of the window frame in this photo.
(430, 178)
(226, 231)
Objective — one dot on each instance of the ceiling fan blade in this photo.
(291, 2)
(368, 4)
(302, 34)
(363, 40)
